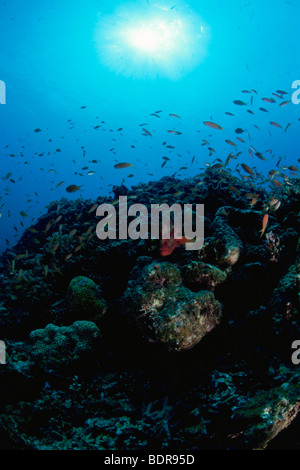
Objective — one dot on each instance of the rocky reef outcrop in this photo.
(167, 312)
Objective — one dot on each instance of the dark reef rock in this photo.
(231, 243)
(167, 312)
(201, 276)
(267, 413)
(285, 303)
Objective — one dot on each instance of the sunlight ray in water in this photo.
(159, 40)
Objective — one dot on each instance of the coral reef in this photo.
(111, 345)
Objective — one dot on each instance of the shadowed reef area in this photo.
(111, 345)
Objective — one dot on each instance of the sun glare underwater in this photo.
(161, 40)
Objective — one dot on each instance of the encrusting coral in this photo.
(57, 347)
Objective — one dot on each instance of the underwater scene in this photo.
(150, 218)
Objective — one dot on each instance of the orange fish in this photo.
(213, 125)
(92, 208)
(254, 200)
(48, 226)
(239, 103)
(230, 142)
(273, 202)
(269, 100)
(174, 132)
(264, 224)
(284, 103)
(234, 189)
(277, 205)
(275, 124)
(119, 166)
(247, 169)
(168, 245)
(146, 132)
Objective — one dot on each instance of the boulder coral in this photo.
(85, 299)
(167, 312)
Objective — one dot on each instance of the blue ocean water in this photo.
(67, 71)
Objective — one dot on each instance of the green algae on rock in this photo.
(85, 299)
(167, 312)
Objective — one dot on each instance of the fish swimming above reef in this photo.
(72, 188)
(120, 166)
(213, 125)
(247, 169)
(264, 224)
